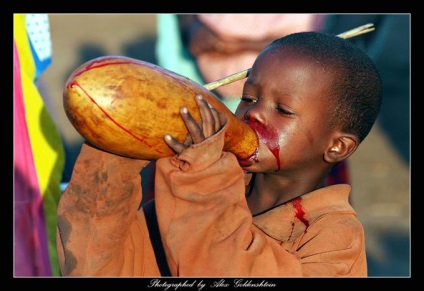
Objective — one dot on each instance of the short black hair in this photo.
(357, 86)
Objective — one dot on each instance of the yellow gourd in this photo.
(126, 106)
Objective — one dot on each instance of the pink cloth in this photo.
(257, 27)
(247, 27)
(31, 253)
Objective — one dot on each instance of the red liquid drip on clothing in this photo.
(300, 213)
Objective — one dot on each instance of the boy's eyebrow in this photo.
(244, 74)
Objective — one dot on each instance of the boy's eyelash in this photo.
(250, 100)
(283, 111)
(254, 100)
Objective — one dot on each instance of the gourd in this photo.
(125, 106)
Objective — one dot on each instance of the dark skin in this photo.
(287, 93)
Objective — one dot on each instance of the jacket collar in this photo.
(290, 220)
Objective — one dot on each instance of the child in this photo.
(312, 98)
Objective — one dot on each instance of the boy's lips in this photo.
(260, 129)
(268, 135)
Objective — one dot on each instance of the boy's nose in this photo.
(255, 113)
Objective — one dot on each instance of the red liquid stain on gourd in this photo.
(269, 136)
(245, 162)
(98, 64)
(112, 61)
(111, 118)
(300, 213)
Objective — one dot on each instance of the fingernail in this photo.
(184, 110)
(200, 97)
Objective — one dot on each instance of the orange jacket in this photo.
(205, 224)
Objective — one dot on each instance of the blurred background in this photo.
(379, 170)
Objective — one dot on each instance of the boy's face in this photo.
(284, 102)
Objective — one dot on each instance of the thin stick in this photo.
(243, 74)
(357, 31)
(227, 80)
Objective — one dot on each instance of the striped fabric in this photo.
(38, 153)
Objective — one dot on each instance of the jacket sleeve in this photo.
(204, 220)
(100, 231)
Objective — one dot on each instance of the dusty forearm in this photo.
(96, 210)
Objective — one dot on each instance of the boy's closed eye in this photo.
(280, 108)
(249, 99)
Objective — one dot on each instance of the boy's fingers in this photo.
(217, 119)
(193, 128)
(208, 121)
(174, 144)
(222, 119)
(211, 122)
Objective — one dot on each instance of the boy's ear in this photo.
(341, 148)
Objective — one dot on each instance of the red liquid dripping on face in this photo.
(268, 135)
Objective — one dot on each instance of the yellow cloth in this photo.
(46, 144)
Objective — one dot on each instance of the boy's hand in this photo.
(211, 122)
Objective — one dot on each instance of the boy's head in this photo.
(356, 90)
(311, 97)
